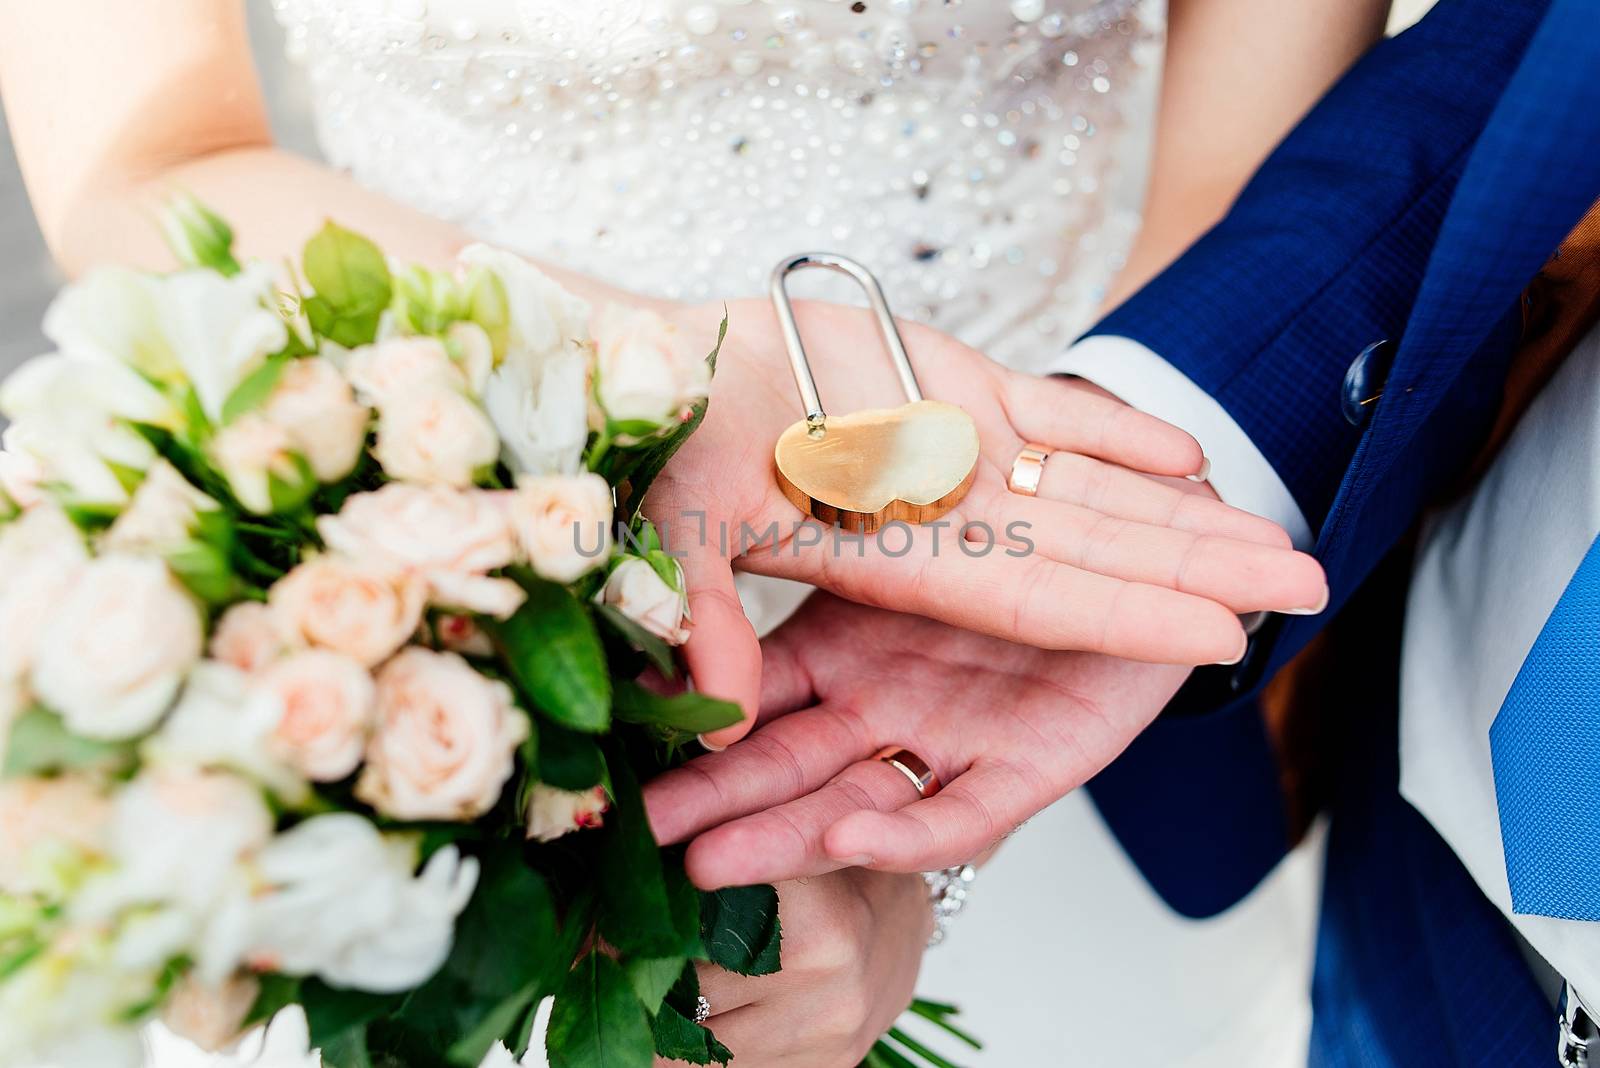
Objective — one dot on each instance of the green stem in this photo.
(920, 1050)
(884, 1055)
(936, 1013)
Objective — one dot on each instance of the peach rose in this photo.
(359, 608)
(49, 829)
(327, 702)
(640, 594)
(437, 436)
(642, 369)
(451, 538)
(314, 405)
(445, 740)
(562, 523)
(402, 366)
(252, 452)
(248, 637)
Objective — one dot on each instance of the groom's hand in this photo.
(1008, 729)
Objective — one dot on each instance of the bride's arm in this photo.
(1239, 74)
(114, 106)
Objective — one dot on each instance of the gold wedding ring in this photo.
(913, 767)
(1027, 470)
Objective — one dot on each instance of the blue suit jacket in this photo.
(1412, 206)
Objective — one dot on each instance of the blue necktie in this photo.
(1546, 747)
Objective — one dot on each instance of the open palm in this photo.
(1120, 563)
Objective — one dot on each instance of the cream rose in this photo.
(642, 369)
(451, 538)
(252, 452)
(553, 813)
(359, 608)
(563, 523)
(211, 1016)
(21, 478)
(639, 593)
(314, 405)
(41, 557)
(248, 636)
(50, 830)
(327, 712)
(115, 652)
(403, 366)
(436, 436)
(162, 515)
(445, 739)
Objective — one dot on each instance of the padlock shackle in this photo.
(803, 379)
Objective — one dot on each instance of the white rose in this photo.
(437, 436)
(66, 1005)
(41, 557)
(114, 653)
(327, 712)
(472, 352)
(553, 813)
(225, 720)
(21, 478)
(314, 405)
(545, 318)
(563, 523)
(536, 1057)
(345, 906)
(643, 370)
(162, 515)
(71, 416)
(359, 608)
(451, 538)
(640, 594)
(210, 1015)
(445, 740)
(252, 452)
(50, 832)
(398, 367)
(249, 637)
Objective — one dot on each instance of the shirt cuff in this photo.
(1240, 474)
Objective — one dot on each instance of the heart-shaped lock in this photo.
(861, 471)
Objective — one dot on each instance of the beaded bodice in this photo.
(968, 150)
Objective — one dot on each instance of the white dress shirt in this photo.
(1488, 573)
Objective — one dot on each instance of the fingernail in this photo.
(1244, 647)
(1320, 607)
(860, 860)
(708, 745)
(1204, 473)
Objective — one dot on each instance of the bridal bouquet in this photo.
(320, 617)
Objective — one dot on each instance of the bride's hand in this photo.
(1122, 563)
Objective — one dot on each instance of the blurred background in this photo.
(27, 277)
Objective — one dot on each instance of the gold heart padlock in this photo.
(864, 470)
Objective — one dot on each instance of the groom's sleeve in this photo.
(1246, 340)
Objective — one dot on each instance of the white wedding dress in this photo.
(984, 158)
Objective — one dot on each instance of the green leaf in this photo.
(332, 1012)
(347, 1050)
(276, 992)
(635, 910)
(653, 977)
(597, 1021)
(659, 652)
(39, 743)
(206, 570)
(555, 656)
(253, 392)
(352, 283)
(678, 1038)
(694, 713)
(570, 761)
(740, 928)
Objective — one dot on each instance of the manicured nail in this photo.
(1244, 647)
(1204, 473)
(860, 860)
(1321, 606)
(709, 745)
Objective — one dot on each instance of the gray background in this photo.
(28, 277)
